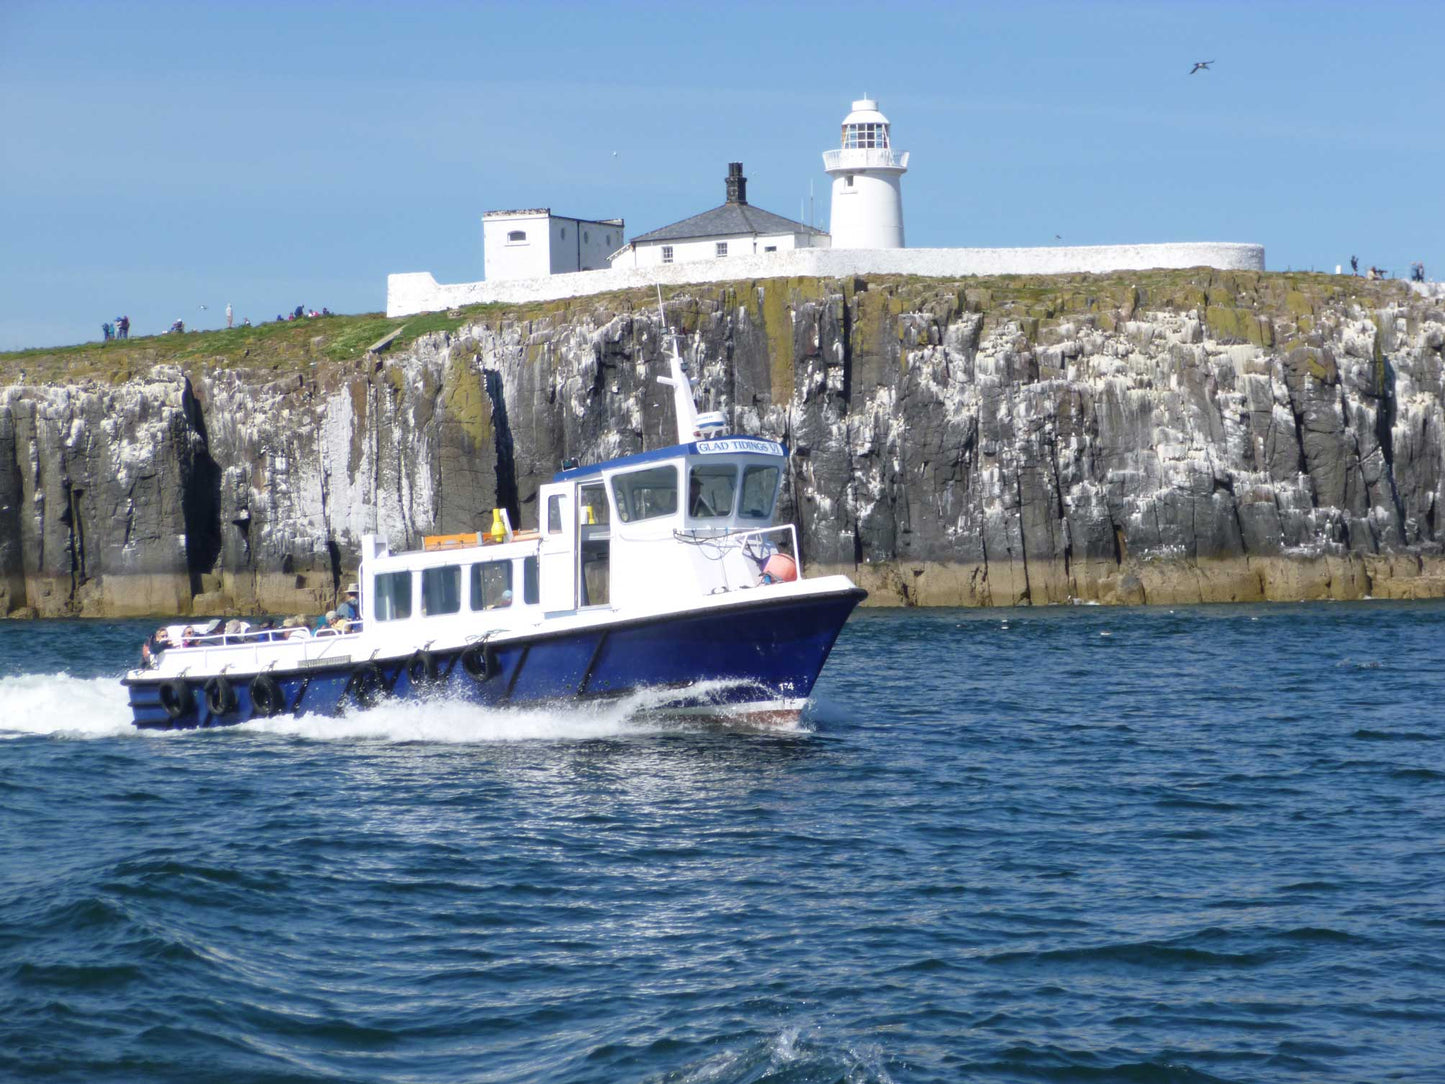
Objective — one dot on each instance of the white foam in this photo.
(453, 721)
(63, 706)
(60, 705)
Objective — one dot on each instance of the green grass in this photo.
(301, 345)
(286, 346)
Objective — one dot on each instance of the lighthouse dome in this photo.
(865, 111)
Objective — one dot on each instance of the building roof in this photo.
(729, 219)
(734, 217)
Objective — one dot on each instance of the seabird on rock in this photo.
(1200, 65)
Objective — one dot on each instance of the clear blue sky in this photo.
(158, 157)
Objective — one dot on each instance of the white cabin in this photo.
(609, 539)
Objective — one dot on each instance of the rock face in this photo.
(1158, 437)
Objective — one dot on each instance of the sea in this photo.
(1041, 845)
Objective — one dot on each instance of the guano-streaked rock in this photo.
(1160, 437)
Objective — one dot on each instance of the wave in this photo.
(62, 706)
(793, 1054)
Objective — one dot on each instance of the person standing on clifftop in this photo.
(1354, 265)
(228, 314)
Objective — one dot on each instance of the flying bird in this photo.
(1200, 65)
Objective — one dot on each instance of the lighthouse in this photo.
(866, 171)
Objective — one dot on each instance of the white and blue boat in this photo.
(658, 571)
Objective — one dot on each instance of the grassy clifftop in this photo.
(1231, 302)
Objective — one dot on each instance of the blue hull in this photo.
(767, 651)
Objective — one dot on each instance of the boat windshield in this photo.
(760, 485)
(645, 494)
(710, 490)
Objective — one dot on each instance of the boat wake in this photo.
(63, 706)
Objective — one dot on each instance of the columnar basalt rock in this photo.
(1158, 437)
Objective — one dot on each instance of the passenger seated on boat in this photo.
(323, 623)
(188, 637)
(151, 650)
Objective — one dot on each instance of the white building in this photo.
(867, 208)
(735, 229)
(529, 244)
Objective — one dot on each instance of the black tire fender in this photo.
(422, 668)
(267, 699)
(220, 697)
(480, 662)
(366, 685)
(176, 698)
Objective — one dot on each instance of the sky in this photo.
(162, 160)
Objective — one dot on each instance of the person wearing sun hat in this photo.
(348, 609)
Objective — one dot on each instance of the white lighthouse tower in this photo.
(866, 170)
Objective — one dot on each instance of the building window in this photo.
(722, 249)
(667, 254)
(848, 180)
(585, 238)
(563, 236)
(515, 236)
(770, 248)
(607, 239)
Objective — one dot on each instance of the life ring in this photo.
(267, 699)
(176, 698)
(480, 662)
(422, 668)
(366, 685)
(220, 697)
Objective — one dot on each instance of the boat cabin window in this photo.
(645, 494)
(441, 590)
(392, 594)
(554, 514)
(531, 584)
(492, 585)
(592, 506)
(760, 484)
(710, 490)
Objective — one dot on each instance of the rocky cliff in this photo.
(1148, 437)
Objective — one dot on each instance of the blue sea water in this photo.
(1204, 844)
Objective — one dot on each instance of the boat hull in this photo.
(753, 654)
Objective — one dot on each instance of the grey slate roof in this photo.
(730, 218)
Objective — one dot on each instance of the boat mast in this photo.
(682, 401)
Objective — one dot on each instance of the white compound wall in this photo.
(420, 292)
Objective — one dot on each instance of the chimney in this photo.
(737, 183)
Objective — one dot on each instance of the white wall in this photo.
(503, 260)
(579, 244)
(649, 253)
(420, 292)
(554, 245)
(869, 212)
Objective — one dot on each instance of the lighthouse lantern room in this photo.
(867, 210)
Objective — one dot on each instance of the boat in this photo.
(662, 571)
